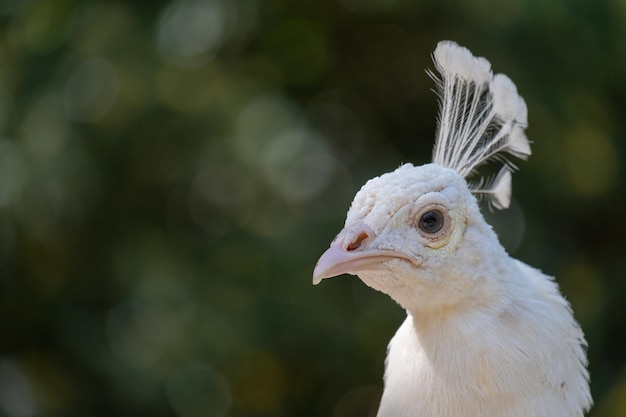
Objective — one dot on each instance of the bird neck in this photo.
(483, 287)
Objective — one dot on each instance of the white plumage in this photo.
(485, 334)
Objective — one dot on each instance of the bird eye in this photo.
(431, 222)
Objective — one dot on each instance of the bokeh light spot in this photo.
(16, 393)
(44, 129)
(261, 120)
(91, 90)
(294, 160)
(190, 32)
(297, 163)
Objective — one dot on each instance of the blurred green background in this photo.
(171, 170)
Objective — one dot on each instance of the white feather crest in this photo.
(481, 117)
(497, 190)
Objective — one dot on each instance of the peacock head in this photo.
(408, 233)
(417, 233)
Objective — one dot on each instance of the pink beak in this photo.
(351, 253)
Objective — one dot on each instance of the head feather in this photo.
(481, 118)
(497, 189)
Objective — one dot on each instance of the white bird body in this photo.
(485, 334)
(512, 359)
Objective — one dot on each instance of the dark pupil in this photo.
(431, 221)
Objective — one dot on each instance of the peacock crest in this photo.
(481, 118)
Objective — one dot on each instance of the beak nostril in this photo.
(357, 242)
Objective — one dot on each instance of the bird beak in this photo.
(352, 252)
